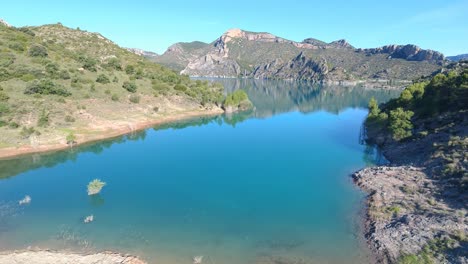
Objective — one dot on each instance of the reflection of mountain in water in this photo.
(273, 96)
(269, 97)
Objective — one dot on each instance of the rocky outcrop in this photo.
(299, 68)
(3, 22)
(143, 53)
(407, 52)
(342, 43)
(405, 214)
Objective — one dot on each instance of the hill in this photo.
(60, 85)
(239, 53)
(417, 204)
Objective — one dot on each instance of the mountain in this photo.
(458, 57)
(60, 85)
(239, 53)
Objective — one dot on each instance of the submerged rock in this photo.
(25, 200)
(197, 259)
(89, 219)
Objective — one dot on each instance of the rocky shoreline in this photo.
(49, 256)
(405, 215)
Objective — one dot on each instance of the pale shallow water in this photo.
(269, 185)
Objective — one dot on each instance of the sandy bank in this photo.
(49, 257)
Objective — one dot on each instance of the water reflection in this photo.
(270, 97)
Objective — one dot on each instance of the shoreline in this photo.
(108, 133)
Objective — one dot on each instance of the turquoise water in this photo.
(268, 186)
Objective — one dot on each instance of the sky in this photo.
(440, 25)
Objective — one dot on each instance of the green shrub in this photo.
(37, 50)
(134, 98)
(4, 97)
(13, 125)
(4, 109)
(69, 119)
(52, 69)
(115, 80)
(26, 132)
(71, 139)
(114, 64)
(64, 75)
(43, 119)
(17, 46)
(130, 86)
(103, 79)
(180, 87)
(130, 69)
(46, 87)
(114, 97)
(107, 91)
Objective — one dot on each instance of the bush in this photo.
(69, 119)
(103, 79)
(52, 69)
(114, 64)
(26, 132)
(180, 87)
(64, 75)
(114, 97)
(4, 109)
(95, 186)
(71, 139)
(134, 98)
(46, 87)
(130, 69)
(13, 125)
(4, 97)
(130, 86)
(37, 50)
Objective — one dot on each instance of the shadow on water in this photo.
(270, 97)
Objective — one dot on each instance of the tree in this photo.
(400, 123)
(374, 110)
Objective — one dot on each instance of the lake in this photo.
(271, 185)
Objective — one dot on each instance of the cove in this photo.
(270, 185)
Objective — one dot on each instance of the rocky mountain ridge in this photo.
(239, 53)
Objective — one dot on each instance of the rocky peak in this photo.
(314, 42)
(341, 43)
(407, 52)
(3, 22)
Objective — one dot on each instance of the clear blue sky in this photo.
(154, 25)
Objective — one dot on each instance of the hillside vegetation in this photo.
(424, 191)
(57, 82)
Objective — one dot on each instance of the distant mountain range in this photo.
(458, 57)
(239, 53)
